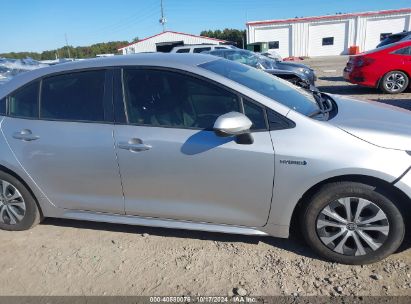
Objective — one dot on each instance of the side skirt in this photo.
(163, 223)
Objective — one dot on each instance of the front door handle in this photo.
(25, 135)
(134, 145)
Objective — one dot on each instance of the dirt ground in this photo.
(61, 257)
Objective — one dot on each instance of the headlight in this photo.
(303, 70)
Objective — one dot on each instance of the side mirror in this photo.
(234, 124)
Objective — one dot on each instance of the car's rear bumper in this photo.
(357, 76)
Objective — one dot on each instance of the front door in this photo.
(172, 164)
(66, 144)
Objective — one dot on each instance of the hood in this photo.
(379, 124)
(292, 65)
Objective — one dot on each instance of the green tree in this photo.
(231, 35)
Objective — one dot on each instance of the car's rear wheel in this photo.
(353, 223)
(394, 82)
(18, 209)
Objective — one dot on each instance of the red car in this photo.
(387, 68)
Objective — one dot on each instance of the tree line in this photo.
(232, 35)
(75, 52)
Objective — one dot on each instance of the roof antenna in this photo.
(162, 20)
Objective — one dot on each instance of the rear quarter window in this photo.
(403, 51)
(23, 103)
(3, 106)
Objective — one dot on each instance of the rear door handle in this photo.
(25, 135)
(134, 145)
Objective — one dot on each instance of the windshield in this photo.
(249, 58)
(265, 84)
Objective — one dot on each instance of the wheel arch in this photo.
(401, 199)
(400, 70)
(20, 179)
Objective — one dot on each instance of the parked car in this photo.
(296, 73)
(198, 48)
(11, 67)
(203, 143)
(273, 55)
(387, 68)
(403, 36)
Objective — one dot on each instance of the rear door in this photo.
(402, 59)
(173, 165)
(65, 142)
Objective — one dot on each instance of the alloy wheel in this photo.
(352, 226)
(12, 205)
(395, 82)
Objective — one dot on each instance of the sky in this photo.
(39, 25)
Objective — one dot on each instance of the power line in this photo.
(126, 21)
(131, 23)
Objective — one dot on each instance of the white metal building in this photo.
(327, 35)
(165, 41)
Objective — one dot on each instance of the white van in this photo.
(198, 48)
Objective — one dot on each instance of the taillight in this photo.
(364, 61)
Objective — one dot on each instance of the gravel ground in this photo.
(61, 257)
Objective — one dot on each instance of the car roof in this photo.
(228, 50)
(194, 45)
(398, 44)
(172, 60)
(386, 48)
(403, 34)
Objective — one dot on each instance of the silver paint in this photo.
(233, 123)
(192, 179)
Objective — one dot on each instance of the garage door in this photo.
(376, 27)
(278, 39)
(328, 39)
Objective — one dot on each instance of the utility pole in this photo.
(162, 19)
(68, 49)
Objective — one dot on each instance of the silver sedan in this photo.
(197, 142)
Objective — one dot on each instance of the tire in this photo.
(18, 208)
(394, 82)
(362, 243)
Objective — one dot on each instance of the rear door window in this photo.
(23, 103)
(203, 49)
(77, 96)
(183, 51)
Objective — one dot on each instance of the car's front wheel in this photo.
(352, 223)
(394, 82)
(18, 209)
